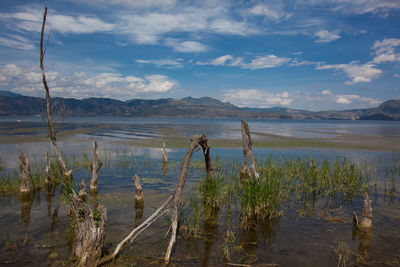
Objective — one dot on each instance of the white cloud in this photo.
(397, 75)
(350, 99)
(16, 41)
(8, 73)
(259, 62)
(385, 51)
(269, 61)
(357, 73)
(185, 46)
(325, 36)
(359, 7)
(81, 85)
(133, 4)
(257, 98)
(268, 12)
(166, 62)
(326, 92)
(30, 19)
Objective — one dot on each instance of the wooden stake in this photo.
(24, 173)
(95, 168)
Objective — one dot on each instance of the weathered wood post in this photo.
(247, 152)
(24, 173)
(139, 198)
(90, 231)
(95, 168)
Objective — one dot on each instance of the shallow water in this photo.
(300, 237)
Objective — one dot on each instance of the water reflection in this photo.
(26, 200)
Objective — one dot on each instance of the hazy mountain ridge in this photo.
(14, 104)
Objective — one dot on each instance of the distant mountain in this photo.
(8, 93)
(205, 107)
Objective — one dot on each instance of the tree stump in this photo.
(139, 198)
(24, 173)
(82, 192)
(47, 178)
(366, 215)
(164, 154)
(245, 173)
(95, 168)
(90, 231)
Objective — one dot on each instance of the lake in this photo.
(307, 232)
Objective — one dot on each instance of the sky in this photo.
(302, 54)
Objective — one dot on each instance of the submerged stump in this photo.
(90, 231)
(24, 173)
(139, 198)
(95, 168)
(82, 192)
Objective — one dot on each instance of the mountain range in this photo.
(205, 107)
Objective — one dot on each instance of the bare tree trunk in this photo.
(90, 231)
(95, 168)
(164, 154)
(52, 132)
(207, 159)
(247, 152)
(139, 198)
(170, 205)
(24, 173)
(47, 179)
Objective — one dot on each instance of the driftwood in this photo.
(95, 168)
(82, 192)
(24, 173)
(47, 178)
(245, 173)
(90, 231)
(170, 205)
(52, 132)
(139, 198)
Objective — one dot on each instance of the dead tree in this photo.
(169, 206)
(47, 178)
(24, 173)
(139, 198)
(247, 152)
(90, 231)
(52, 132)
(164, 154)
(95, 168)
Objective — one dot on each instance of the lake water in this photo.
(133, 145)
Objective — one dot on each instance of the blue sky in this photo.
(305, 54)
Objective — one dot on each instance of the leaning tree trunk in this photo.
(90, 231)
(95, 168)
(170, 205)
(247, 153)
(24, 173)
